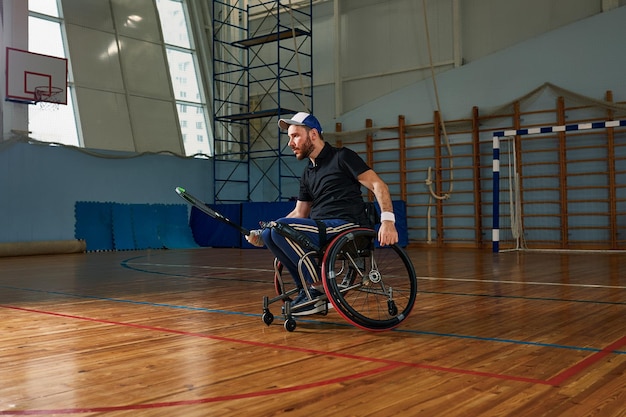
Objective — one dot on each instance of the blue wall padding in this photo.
(173, 230)
(210, 232)
(123, 233)
(399, 210)
(108, 226)
(253, 213)
(145, 226)
(94, 224)
(177, 237)
(173, 214)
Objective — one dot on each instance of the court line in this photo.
(494, 281)
(228, 268)
(276, 346)
(206, 400)
(387, 365)
(586, 363)
(129, 265)
(519, 297)
(241, 313)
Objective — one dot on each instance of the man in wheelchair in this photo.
(329, 202)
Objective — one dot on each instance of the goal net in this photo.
(560, 187)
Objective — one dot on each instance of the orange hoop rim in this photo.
(48, 94)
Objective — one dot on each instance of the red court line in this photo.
(288, 348)
(587, 362)
(387, 366)
(201, 400)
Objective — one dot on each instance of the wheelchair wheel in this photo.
(283, 287)
(278, 282)
(373, 288)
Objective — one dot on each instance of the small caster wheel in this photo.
(268, 318)
(290, 325)
(325, 310)
(392, 308)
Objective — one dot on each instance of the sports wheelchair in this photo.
(372, 287)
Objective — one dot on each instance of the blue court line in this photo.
(239, 313)
(498, 340)
(125, 264)
(122, 300)
(512, 341)
(524, 298)
(514, 297)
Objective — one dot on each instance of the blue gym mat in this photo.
(94, 224)
(114, 226)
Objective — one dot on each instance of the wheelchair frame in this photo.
(373, 288)
(373, 292)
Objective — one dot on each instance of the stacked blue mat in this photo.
(114, 226)
(210, 232)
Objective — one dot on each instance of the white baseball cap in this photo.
(301, 119)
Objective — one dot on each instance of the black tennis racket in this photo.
(200, 205)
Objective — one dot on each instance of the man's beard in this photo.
(306, 149)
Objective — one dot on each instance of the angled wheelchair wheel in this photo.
(372, 288)
(279, 285)
(283, 283)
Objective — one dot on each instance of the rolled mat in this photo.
(45, 247)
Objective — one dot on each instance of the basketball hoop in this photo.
(48, 97)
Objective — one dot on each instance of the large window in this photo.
(185, 78)
(103, 100)
(49, 123)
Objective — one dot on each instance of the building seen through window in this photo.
(185, 77)
(61, 125)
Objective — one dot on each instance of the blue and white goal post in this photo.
(500, 136)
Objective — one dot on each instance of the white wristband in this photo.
(387, 216)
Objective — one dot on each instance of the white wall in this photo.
(583, 57)
(383, 44)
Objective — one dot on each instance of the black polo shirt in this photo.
(332, 185)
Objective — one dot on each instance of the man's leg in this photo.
(289, 253)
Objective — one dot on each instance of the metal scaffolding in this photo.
(263, 70)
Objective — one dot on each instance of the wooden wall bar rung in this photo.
(554, 170)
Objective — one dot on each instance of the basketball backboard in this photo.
(33, 77)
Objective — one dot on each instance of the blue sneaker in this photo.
(297, 308)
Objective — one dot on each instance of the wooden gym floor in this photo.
(179, 333)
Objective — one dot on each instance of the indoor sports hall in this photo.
(145, 143)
